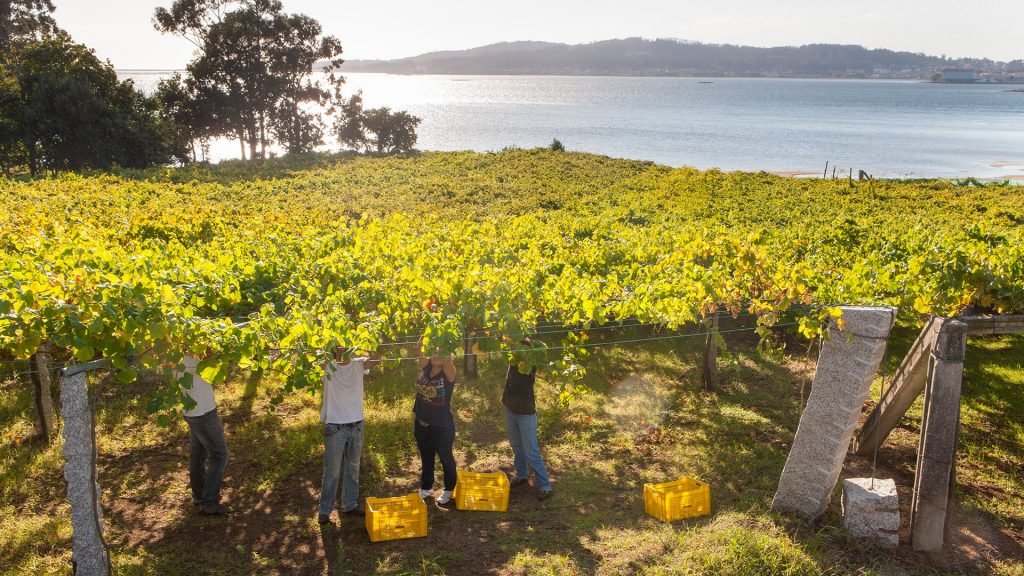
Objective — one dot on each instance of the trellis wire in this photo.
(551, 348)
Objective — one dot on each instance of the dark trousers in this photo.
(208, 457)
(436, 440)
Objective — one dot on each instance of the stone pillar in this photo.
(871, 510)
(847, 364)
(934, 479)
(89, 555)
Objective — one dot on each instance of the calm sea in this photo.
(884, 127)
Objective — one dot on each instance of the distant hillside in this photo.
(640, 57)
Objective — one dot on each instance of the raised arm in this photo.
(423, 358)
(449, 368)
(336, 353)
(372, 359)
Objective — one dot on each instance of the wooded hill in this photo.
(664, 57)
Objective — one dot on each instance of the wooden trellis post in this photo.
(709, 373)
(42, 401)
(934, 365)
(469, 359)
(934, 477)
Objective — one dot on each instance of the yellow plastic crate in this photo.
(487, 491)
(684, 498)
(396, 518)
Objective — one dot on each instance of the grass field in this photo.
(645, 419)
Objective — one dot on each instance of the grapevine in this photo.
(273, 271)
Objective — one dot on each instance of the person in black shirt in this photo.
(434, 426)
(521, 424)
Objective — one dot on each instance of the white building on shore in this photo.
(962, 75)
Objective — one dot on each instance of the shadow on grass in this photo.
(232, 171)
(991, 449)
(600, 451)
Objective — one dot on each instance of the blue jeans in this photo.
(208, 456)
(342, 442)
(522, 435)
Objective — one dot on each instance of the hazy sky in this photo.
(122, 31)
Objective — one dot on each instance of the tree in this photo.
(375, 129)
(21, 21)
(12, 152)
(348, 125)
(252, 74)
(302, 45)
(61, 108)
(24, 20)
(391, 132)
(63, 88)
(179, 107)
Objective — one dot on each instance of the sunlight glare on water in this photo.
(887, 128)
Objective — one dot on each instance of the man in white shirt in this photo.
(342, 417)
(208, 455)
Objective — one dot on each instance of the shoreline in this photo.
(1012, 178)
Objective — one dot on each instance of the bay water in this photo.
(887, 128)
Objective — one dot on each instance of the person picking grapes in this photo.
(434, 425)
(342, 417)
(521, 426)
(208, 449)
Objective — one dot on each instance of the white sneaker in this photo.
(445, 498)
(424, 494)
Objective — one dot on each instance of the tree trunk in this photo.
(33, 162)
(263, 138)
(709, 375)
(5, 24)
(42, 401)
(241, 142)
(468, 357)
(252, 141)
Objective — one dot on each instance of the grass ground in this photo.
(645, 419)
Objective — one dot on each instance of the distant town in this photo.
(969, 76)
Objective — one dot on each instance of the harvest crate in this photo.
(487, 491)
(684, 498)
(396, 518)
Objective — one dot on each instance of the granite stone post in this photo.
(89, 555)
(871, 510)
(847, 364)
(934, 479)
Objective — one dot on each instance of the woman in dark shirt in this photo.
(434, 426)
